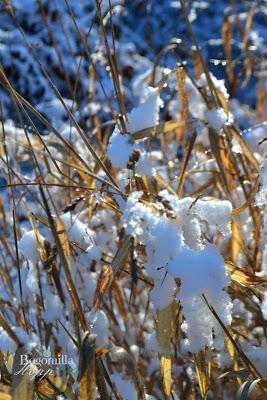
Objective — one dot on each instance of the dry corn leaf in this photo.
(44, 388)
(244, 277)
(121, 255)
(231, 350)
(164, 328)
(86, 370)
(118, 296)
(200, 362)
(22, 386)
(236, 241)
(166, 373)
(5, 396)
(246, 388)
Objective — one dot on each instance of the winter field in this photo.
(133, 193)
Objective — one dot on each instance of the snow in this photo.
(261, 196)
(120, 146)
(100, 326)
(54, 308)
(6, 343)
(217, 118)
(28, 246)
(125, 387)
(258, 356)
(218, 84)
(202, 272)
(147, 113)
(264, 307)
(119, 149)
(32, 279)
(200, 267)
(77, 231)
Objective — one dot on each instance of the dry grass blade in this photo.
(22, 386)
(162, 127)
(181, 83)
(86, 369)
(248, 27)
(185, 162)
(64, 251)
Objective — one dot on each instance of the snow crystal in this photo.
(217, 118)
(202, 272)
(261, 196)
(29, 247)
